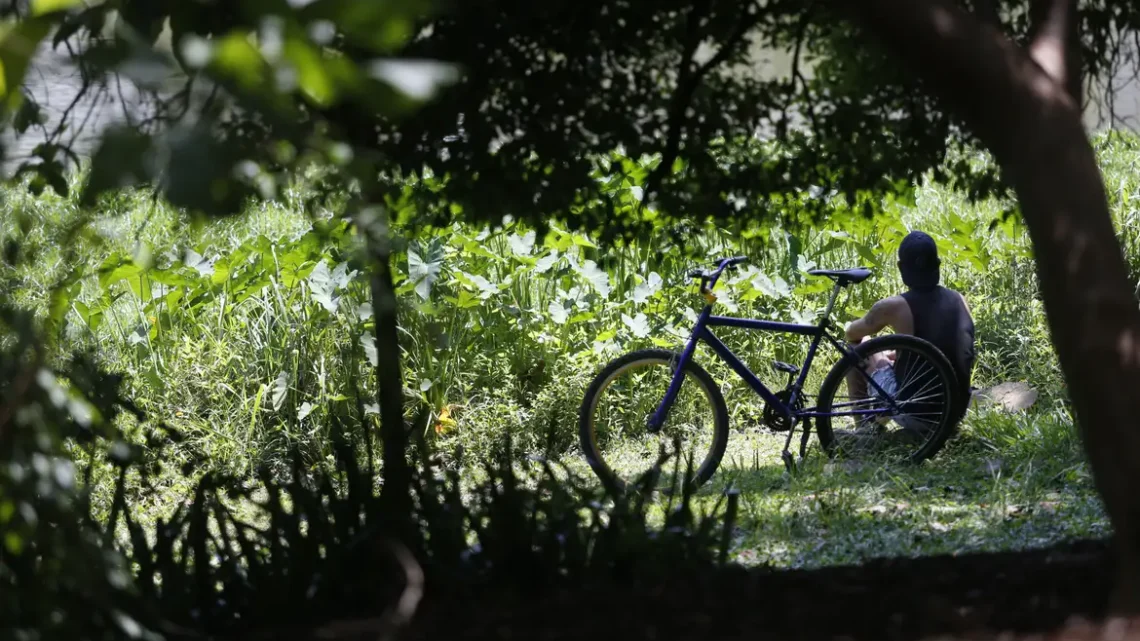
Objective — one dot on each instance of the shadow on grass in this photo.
(993, 488)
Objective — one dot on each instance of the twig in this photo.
(797, 75)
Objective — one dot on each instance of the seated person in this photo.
(926, 310)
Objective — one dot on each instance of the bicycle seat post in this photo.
(831, 301)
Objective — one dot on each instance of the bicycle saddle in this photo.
(844, 276)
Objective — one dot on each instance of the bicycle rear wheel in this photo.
(614, 413)
(900, 410)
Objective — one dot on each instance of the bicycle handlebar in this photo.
(721, 265)
(709, 279)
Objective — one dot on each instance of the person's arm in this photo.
(883, 313)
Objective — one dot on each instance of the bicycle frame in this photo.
(702, 332)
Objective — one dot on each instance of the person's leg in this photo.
(857, 382)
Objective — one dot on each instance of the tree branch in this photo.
(689, 80)
(1054, 43)
(797, 74)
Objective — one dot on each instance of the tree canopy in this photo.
(534, 101)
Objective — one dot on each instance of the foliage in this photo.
(535, 101)
(319, 551)
(249, 335)
(59, 578)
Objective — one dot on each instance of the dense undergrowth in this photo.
(251, 338)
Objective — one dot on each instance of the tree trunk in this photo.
(396, 494)
(1024, 112)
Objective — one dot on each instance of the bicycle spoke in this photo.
(912, 397)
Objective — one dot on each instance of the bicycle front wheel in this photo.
(612, 422)
(897, 402)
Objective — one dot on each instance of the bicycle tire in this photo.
(942, 365)
(589, 404)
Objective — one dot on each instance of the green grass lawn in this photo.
(1006, 481)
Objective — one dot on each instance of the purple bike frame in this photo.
(701, 332)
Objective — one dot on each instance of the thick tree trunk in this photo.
(1024, 112)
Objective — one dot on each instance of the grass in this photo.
(1006, 481)
(504, 331)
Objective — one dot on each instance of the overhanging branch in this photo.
(689, 80)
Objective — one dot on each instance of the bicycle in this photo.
(872, 370)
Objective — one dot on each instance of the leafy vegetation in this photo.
(252, 339)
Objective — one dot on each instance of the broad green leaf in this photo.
(305, 409)
(280, 390)
(140, 285)
(477, 249)
(558, 312)
(467, 300)
(222, 270)
(774, 288)
(582, 241)
(803, 317)
(647, 289)
(115, 268)
(597, 278)
(313, 78)
(422, 273)
(638, 325)
(380, 26)
(235, 56)
(522, 245)
(559, 240)
(92, 317)
(486, 288)
(546, 262)
(58, 306)
(195, 261)
(866, 254)
(323, 286)
(173, 277)
(368, 342)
